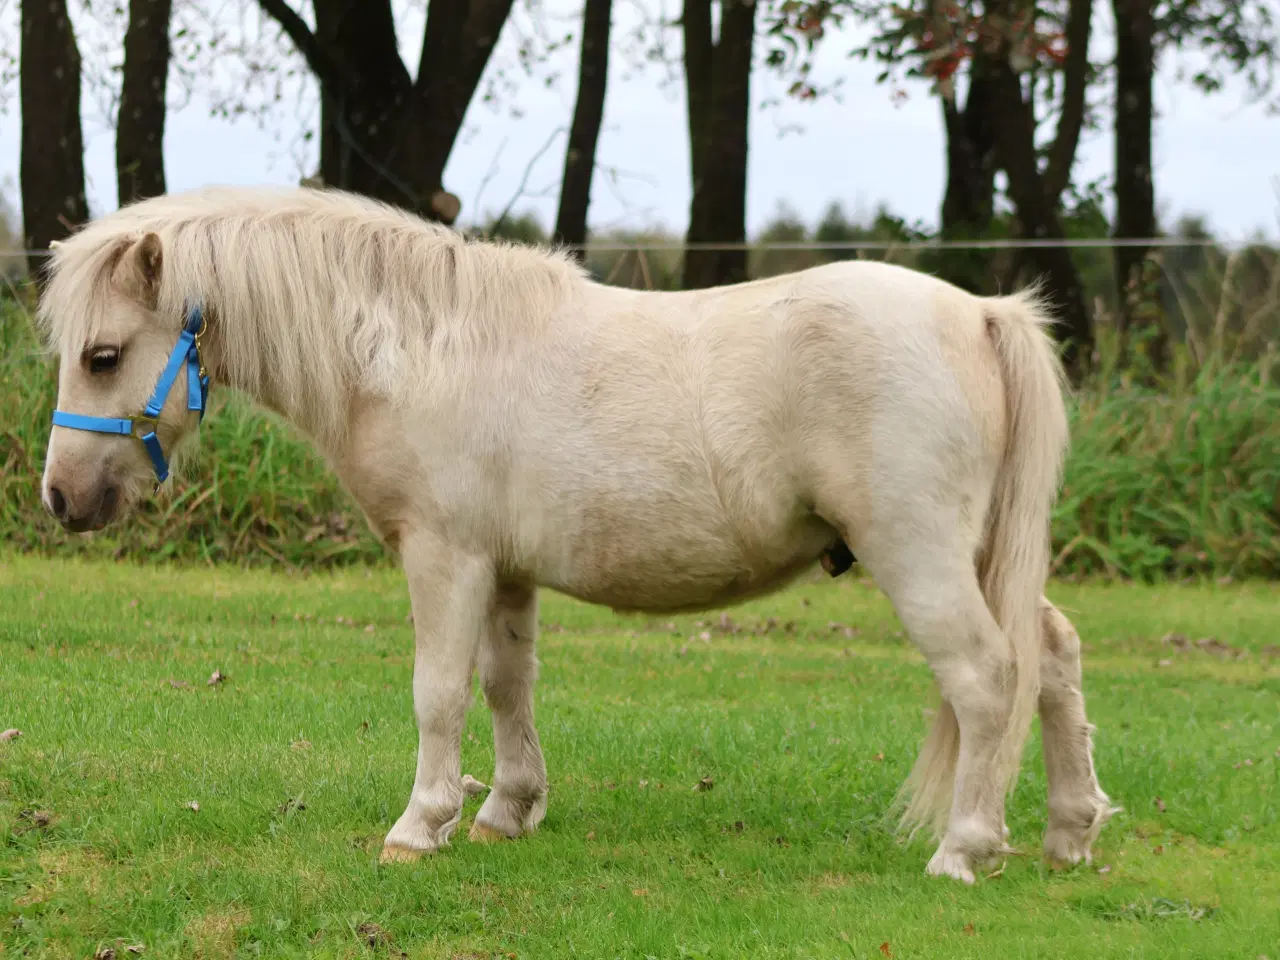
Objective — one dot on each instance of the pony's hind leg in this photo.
(508, 669)
(1078, 808)
(959, 782)
(452, 596)
(972, 660)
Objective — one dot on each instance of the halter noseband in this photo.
(143, 426)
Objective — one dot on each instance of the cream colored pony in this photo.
(506, 424)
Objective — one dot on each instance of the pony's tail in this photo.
(1013, 562)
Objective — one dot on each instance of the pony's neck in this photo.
(240, 358)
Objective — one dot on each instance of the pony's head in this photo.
(129, 384)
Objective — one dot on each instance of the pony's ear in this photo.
(139, 271)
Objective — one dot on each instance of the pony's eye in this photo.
(103, 360)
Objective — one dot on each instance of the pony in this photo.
(506, 424)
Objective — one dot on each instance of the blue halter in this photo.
(143, 426)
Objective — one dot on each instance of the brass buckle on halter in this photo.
(143, 424)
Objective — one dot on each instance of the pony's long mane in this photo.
(310, 290)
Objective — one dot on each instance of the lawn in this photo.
(144, 806)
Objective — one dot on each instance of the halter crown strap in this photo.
(185, 352)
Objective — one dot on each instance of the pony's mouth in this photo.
(107, 509)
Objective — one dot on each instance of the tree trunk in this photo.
(1036, 196)
(140, 122)
(51, 166)
(588, 113)
(1038, 216)
(383, 133)
(699, 57)
(968, 205)
(1135, 194)
(718, 82)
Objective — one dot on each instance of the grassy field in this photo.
(142, 806)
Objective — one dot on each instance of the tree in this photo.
(1134, 187)
(51, 166)
(1037, 192)
(1240, 36)
(718, 88)
(383, 133)
(588, 113)
(1004, 43)
(141, 115)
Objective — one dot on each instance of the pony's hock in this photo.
(505, 423)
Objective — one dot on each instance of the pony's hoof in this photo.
(953, 865)
(482, 834)
(507, 817)
(1072, 843)
(392, 853)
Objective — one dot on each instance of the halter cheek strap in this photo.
(186, 353)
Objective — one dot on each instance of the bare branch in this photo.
(524, 180)
(488, 175)
(318, 59)
(1075, 81)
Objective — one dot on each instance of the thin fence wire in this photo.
(1103, 243)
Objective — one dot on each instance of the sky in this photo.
(1216, 157)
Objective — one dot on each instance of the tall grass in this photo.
(254, 493)
(1168, 477)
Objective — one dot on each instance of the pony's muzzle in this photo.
(81, 511)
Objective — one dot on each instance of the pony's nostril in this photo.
(58, 503)
(110, 499)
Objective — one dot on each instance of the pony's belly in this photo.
(683, 575)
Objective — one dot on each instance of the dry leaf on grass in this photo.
(192, 806)
(300, 745)
(968, 929)
(372, 934)
(13, 733)
(884, 948)
(471, 786)
(216, 678)
(1219, 649)
(1159, 804)
(706, 783)
(37, 819)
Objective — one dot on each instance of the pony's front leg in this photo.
(508, 669)
(452, 596)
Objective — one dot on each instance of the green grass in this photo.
(804, 733)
